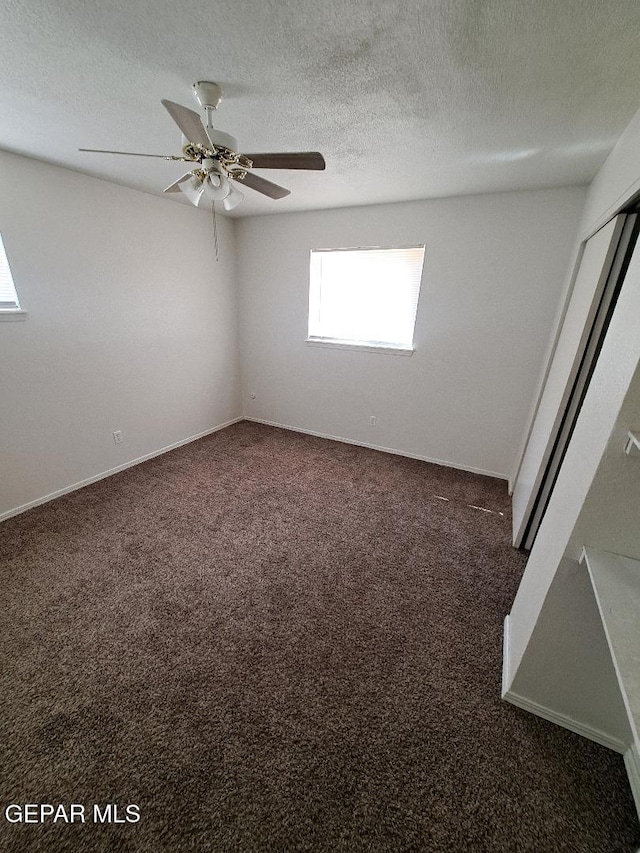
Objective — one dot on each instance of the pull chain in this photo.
(215, 227)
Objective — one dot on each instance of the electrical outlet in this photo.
(373, 420)
(117, 437)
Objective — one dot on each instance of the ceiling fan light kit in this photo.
(216, 187)
(216, 158)
(233, 199)
(192, 189)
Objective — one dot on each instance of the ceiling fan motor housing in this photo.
(221, 139)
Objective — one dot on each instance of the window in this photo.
(365, 297)
(9, 304)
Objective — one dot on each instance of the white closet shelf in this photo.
(616, 584)
(633, 443)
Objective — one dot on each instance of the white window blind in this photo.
(8, 296)
(365, 296)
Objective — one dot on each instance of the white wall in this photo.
(494, 269)
(586, 291)
(594, 504)
(617, 181)
(597, 493)
(568, 669)
(614, 185)
(131, 325)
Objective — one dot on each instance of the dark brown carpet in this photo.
(271, 642)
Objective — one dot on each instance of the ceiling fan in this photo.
(218, 165)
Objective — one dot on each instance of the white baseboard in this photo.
(505, 657)
(566, 722)
(632, 763)
(549, 714)
(369, 446)
(87, 482)
(75, 486)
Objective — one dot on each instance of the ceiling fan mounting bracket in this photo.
(207, 94)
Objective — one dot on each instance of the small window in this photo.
(9, 302)
(365, 297)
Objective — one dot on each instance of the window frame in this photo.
(10, 313)
(352, 344)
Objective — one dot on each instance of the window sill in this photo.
(361, 347)
(12, 315)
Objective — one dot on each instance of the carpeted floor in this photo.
(272, 642)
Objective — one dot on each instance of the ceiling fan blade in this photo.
(261, 185)
(133, 154)
(292, 160)
(175, 186)
(189, 123)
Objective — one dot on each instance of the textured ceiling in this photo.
(407, 100)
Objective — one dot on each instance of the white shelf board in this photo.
(616, 583)
(633, 443)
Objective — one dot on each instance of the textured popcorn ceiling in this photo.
(406, 100)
